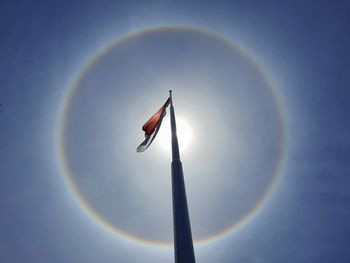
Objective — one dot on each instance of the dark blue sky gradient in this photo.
(303, 45)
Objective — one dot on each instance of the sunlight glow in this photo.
(184, 134)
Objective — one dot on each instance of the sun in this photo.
(184, 134)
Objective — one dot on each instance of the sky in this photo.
(244, 73)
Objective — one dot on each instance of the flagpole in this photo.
(183, 244)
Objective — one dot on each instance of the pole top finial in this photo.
(171, 97)
(170, 94)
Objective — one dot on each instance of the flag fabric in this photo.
(152, 126)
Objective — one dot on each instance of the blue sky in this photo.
(303, 47)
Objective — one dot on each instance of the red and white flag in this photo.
(152, 126)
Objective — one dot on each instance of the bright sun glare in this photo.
(184, 134)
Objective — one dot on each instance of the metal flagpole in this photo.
(183, 244)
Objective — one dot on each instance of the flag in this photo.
(152, 126)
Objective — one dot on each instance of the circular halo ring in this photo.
(65, 109)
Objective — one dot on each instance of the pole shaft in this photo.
(183, 244)
(174, 141)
